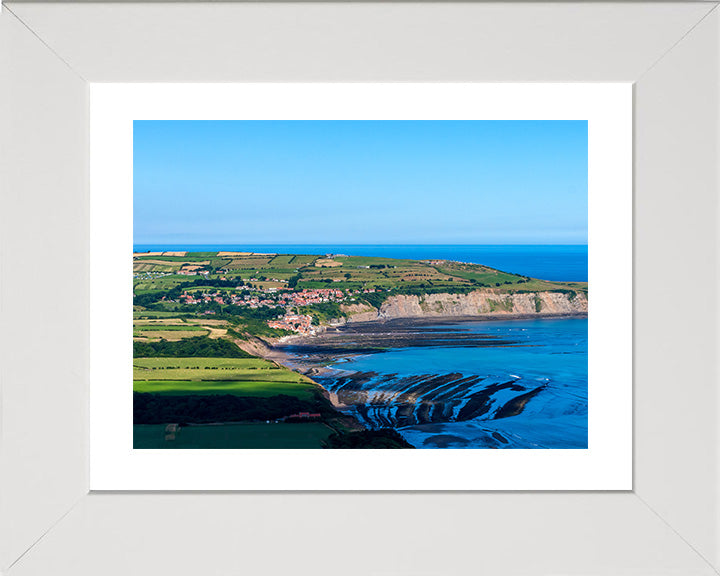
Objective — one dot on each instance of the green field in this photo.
(159, 334)
(250, 388)
(353, 273)
(237, 376)
(142, 286)
(488, 276)
(357, 272)
(281, 261)
(251, 365)
(189, 257)
(212, 369)
(162, 327)
(150, 267)
(147, 314)
(229, 436)
(300, 260)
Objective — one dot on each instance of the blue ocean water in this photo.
(547, 358)
(549, 262)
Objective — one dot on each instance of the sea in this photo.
(518, 383)
(561, 262)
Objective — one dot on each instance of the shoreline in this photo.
(369, 398)
(268, 349)
(419, 321)
(449, 319)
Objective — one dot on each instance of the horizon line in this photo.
(361, 244)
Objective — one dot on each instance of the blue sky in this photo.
(360, 182)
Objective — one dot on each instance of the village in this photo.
(286, 299)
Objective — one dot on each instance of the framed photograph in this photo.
(312, 274)
(454, 286)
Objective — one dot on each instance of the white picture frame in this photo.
(50, 523)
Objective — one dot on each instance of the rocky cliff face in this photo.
(477, 303)
(360, 312)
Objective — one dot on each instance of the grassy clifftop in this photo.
(282, 271)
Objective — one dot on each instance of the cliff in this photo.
(477, 303)
(359, 312)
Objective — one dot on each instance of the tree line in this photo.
(203, 409)
(196, 347)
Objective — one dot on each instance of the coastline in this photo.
(485, 317)
(490, 394)
(265, 348)
(272, 348)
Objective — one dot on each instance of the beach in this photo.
(455, 382)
